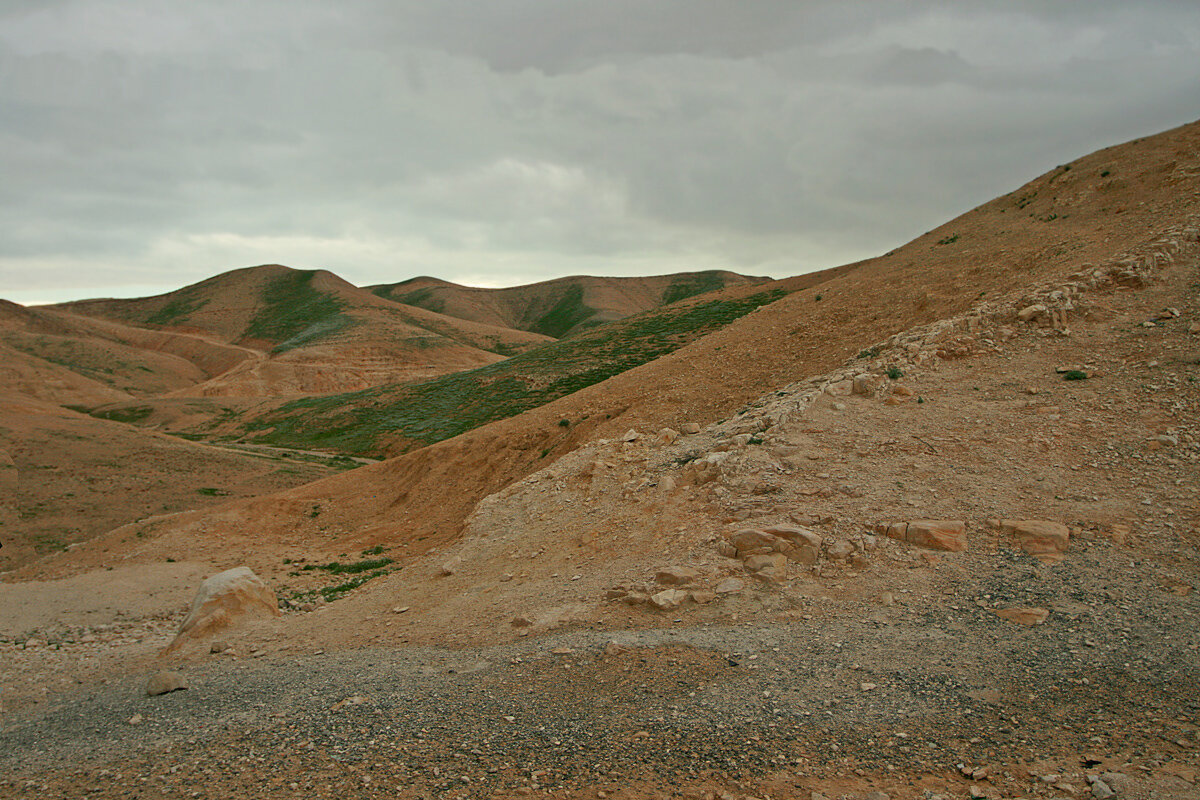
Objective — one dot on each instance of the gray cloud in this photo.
(147, 144)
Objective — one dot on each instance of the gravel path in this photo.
(890, 697)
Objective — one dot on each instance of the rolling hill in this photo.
(560, 307)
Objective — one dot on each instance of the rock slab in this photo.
(226, 600)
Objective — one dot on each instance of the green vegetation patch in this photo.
(179, 309)
(295, 314)
(401, 417)
(692, 285)
(569, 311)
(130, 414)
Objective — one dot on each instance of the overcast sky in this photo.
(145, 145)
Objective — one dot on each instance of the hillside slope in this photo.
(560, 307)
(1087, 212)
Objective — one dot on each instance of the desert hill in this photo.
(310, 332)
(560, 307)
(922, 526)
(1086, 212)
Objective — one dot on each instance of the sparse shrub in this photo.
(212, 491)
(870, 352)
(895, 373)
(373, 551)
(949, 239)
(1105, 174)
(1075, 375)
(564, 423)
(817, 299)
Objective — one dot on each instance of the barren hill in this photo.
(559, 307)
(922, 527)
(1085, 212)
(310, 332)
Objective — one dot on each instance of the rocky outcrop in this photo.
(226, 600)
(946, 535)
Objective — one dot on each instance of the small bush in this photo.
(817, 299)
(373, 551)
(870, 352)
(1075, 375)
(949, 239)
(895, 373)
(564, 423)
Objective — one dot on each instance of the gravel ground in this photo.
(850, 695)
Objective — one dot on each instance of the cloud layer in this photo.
(144, 145)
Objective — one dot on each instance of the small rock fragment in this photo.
(1023, 615)
(164, 682)
(668, 599)
(729, 586)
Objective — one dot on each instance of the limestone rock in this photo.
(677, 576)
(729, 586)
(631, 435)
(839, 551)
(840, 388)
(1023, 615)
(768, 567)
(1038, 537)
(668, 599)
(750, 542)
(690, 427)
(667, 436)
(866, 385)
(226, 600)
(946, 535)
(163, 682)
(702, 596)
(796, 535)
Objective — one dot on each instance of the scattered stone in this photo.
(840, 388)
(795, 535)
(839, 551)
(729, 586)
(631, 436)
(878, 796)
(224, 600)
(667, 436)
(164, 682)
(677, 576)
(866, 385)
(702, 596)
(750, 542)
(887, 599)
(768, 567)
(636, 599)
(946, 535)
(1101, 790)
(402, 609)
(690, 427)
(1031, 312)
(668, 599)
(136, 719)
(866, 687)
(353, 700)
(1023, 615)
(521, 621)
(219, 646)
(1038, 537)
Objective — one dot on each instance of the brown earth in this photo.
(475, 663)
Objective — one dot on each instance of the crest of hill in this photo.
(559, 307)
(309, 331)
(1094, 208)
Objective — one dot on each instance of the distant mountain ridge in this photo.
(562, 306)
